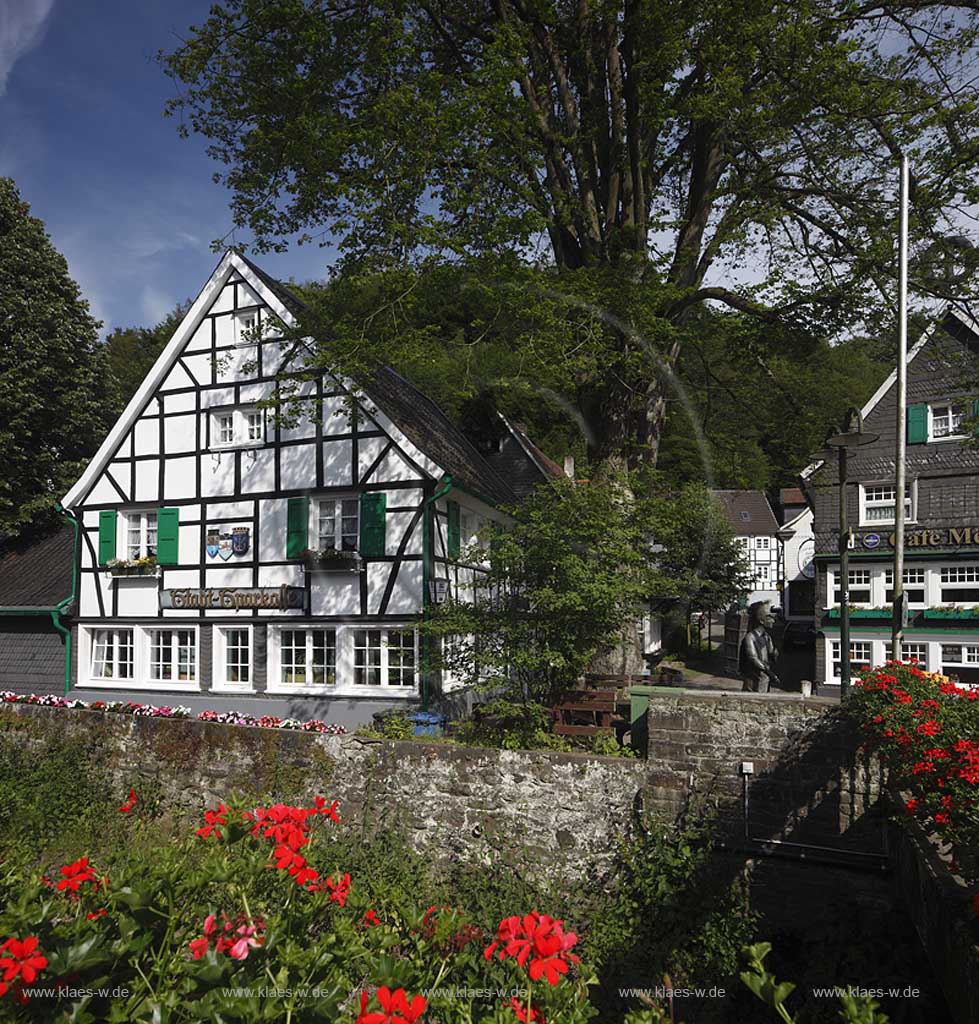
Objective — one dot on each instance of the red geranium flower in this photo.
(213, 820)
(911, 806)
(395, 1006)
(536, 934)
(370, 918)
(522, 1014)
(22, 958)
(339, 891)
(75, 874)
(130, 802)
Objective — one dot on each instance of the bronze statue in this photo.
(758, 650)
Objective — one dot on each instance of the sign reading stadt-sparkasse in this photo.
(281, 598)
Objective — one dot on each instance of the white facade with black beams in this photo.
(229, 555)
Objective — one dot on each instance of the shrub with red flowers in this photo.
(256, 914)
(927, 729)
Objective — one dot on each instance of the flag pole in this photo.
(900, 599)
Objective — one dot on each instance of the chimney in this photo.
(569, 466)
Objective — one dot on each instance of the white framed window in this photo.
(959, 584)
(232, 428)
(336, 523)
(861, 657)
(877, 503)
(859, 591)
(139, 657)
(761, 543)
(246, 324)
(112, 654)
(140, 533)
(385, 657)
(915, 652)
(306, 658)
(914, 586)
(761, 574)
(233, 667)
(173, 655)
(961, 662)
(945, 421)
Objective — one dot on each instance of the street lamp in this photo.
(851, 436)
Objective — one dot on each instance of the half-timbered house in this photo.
(237, 553)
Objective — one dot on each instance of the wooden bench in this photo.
(584, 713)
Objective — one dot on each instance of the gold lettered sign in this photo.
(951, 536)
(234, 599)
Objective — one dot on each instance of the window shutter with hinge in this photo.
(168, 536)
(453, 539)
(373, 509)
(107, 536)
(297, 527)
(917, 424)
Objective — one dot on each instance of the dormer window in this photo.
(233, 428)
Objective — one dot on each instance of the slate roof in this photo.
(35, 569)
(748, 512)
(427, 427)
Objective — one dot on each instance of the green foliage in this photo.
(132, 351)
(54, 379)
(926, 728)
(510, 726)
(577, 561)
(638, 153)
(395, 726)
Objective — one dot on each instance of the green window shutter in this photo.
(297, 527)
(453, 542)
(917, 424)
(373, 510)
(167, 536)
(107, 537)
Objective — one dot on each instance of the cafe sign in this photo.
(951, 536)
(234, 599)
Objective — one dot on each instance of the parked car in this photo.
(800, 634)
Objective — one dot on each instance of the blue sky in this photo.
(130, 204)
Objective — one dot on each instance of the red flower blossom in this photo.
(911, 806)
(339, 891)
(536, 934)
(101, 912)
(248, 937)
(75, 874)
(330, 812)
(213, 820)
(370, 918)
(929, 728)
(129, 804)
(395, 1006)
(22, 959)
(522, 1015)
(943, 818)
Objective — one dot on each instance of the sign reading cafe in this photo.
(951, 536)
(235, 599)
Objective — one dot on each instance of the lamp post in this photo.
(851, 436)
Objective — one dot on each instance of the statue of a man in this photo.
(758, 650)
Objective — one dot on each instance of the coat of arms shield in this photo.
(213, 542)
(239, 540)
(224, 546)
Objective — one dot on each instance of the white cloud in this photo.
(21, 27)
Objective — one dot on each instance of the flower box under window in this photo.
(136, 567)
(332, 560)
(951, 613)
(863, 613)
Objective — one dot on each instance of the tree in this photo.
(578, 561)
(647, 151)
(132, 351)
(53, 374)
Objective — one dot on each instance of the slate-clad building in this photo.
(941, 559)
(35, 607)
(233, 558)
(757, 532)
